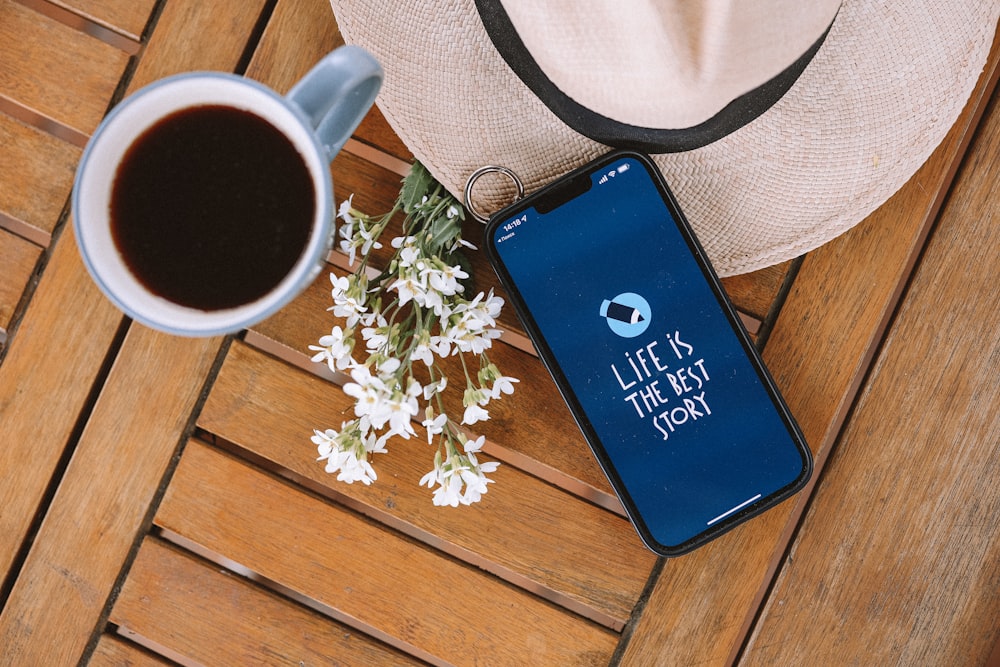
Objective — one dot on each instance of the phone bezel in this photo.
(545, 353)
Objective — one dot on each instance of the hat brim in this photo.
(877, 98)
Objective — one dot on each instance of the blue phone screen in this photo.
(649, 354)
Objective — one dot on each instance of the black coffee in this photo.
(211, 207)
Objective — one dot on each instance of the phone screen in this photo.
(649, 355)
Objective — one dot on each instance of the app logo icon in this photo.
(627, 314)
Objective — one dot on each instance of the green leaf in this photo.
(416, 185)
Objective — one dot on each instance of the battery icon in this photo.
(622, 168)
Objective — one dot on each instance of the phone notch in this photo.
(562, 192)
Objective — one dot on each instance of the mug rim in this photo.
(122, 287)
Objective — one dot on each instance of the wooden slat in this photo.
(388, 586)
(114, 651)
(299, 33)
(755, 293)
(42, 391)
(127, 17)
(375, 130)
(194, 35)
(897, 560)
(374, 189)
(17, 264)
(37, 175)
(194, 612)
(90, 527)
(55, 71)
(524, 529)
(819, 352)
(532, 428)
(560, 455)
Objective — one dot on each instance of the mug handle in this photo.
(336, 94)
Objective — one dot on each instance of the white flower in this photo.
(434, 300)
(369, 240)
(404, 408)
(388, 366)
(433, 477)
(423, 352)
(450, 491)
(334, 349)
(344, 211)
(475, 478)
(482, 311)
(348, 299)
(411, 310)
(435, 388)
(461, 243)
(409, 255)
(409, 287)
(371, 396)
(475, 446)
(434, 425)
(474, 413)
(346, 231)
(445, 280)
(467, 336)
(472, 400)
(379, 400)
(376, 337)
(503, 385)
(457, 470)
(346, 452)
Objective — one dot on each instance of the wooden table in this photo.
(160, 498)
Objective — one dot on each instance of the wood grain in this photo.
(561, 456)
(18, 259)
(532, 428)
(755, 293)
(114, 651)
(193, 36)
(45, 382)
(195, 612)
(71, 84)
(127, 17)
(89, 529)
(298, 34)
(898, 560)
(364, 574)
(818, 352)
(524, 530)
(37, 175)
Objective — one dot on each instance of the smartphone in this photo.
(646, 349)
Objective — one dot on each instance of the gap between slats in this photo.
(188, 531)
(259, 407)
(106, 34)
(521, 461)
(390, 521)
(279, 589)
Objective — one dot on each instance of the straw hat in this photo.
(778, 124)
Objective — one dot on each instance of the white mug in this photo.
(317, 116)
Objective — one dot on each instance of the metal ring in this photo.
(479, 173)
